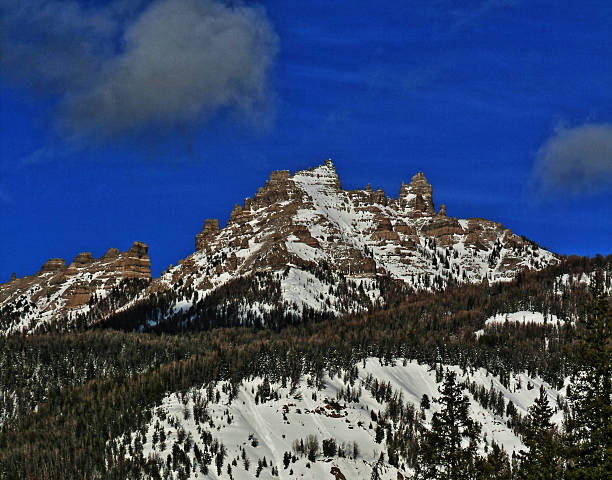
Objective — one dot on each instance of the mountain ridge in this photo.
(327, 249)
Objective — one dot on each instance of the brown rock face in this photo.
(303, 234)
(279, 176)
(209, 231)
(53, 265)
(111, 253)
(135, 263)
(57, 291)
(417, 196)
(81, 260)
(77, 296)
(239, 215)
(13, 277)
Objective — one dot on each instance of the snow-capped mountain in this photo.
(315, 246)
(302, 245)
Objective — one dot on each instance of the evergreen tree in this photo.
(589, 421)
(448, 450)
(542, 459)
(496, 465)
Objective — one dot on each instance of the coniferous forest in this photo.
(67, 396)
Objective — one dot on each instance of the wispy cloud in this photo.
(576, 160)
(135, 64)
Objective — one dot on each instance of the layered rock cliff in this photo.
(58, 291)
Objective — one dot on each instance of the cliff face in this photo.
(57, 291)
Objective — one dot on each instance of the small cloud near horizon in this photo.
(134, 65)
(576, 160)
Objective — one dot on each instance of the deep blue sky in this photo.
(467, 92)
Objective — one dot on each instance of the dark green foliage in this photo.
(589, 420)
(330, 448)
(377, 467)
(542, 460)
(92, 386)
(495, 466)
(379, 433)
(448, 450)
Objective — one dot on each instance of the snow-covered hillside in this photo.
(259, 422)
(584, 280)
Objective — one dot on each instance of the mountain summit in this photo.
(304, 219)
(303, 245)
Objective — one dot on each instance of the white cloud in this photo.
(136, 64)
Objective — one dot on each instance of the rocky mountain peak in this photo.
(135, 263)
(417, 196)
(82, 259)
(209, 231)
(111, 253)
(323, 175)
(297, 224)
(313, 244)
(53, 265)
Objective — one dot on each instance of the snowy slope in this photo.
(583, 280)
(267, 425)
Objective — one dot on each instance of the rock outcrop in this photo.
(209, 231)
(58, 292)
(135, 263)
(53, 265)
(417, 196)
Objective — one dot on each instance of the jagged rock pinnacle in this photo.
(417, 196)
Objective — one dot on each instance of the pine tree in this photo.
(542, 459)
(444, 453)
(588, 423)
(496, 466)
